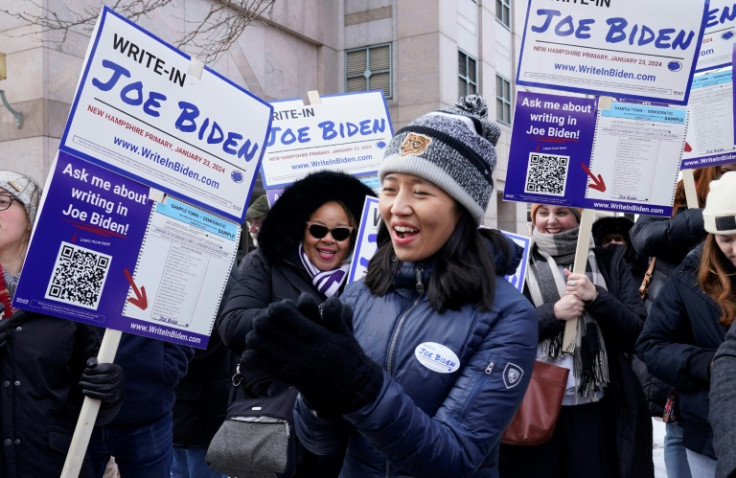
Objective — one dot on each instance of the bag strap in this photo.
(644, 287)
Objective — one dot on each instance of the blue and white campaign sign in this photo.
(519, 276)
(366, 242)
(710, 131)
(346, 133)
(151, 113)
(105, 254)
(645, 50)
(621, 157)
(719, 35)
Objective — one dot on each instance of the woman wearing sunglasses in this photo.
(443, 345)
(305, 246)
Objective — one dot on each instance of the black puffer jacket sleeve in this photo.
(668, 238)
(618, 309)
(250, 293)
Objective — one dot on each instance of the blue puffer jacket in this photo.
(424, 422)
(678, 343)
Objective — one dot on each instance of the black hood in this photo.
(283, 228)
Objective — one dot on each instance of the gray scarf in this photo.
(546, 284)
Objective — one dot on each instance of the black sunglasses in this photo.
(318, 231)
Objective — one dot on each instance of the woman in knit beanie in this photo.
(419, 368)
(50, 362)
(688, 322)
(604, 428)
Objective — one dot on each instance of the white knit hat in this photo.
(719, 214)
(24, 189)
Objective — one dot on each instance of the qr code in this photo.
(78, 276)
(547, 174)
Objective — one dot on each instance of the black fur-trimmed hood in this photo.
(283, 227)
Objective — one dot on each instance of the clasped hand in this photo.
(579, 290)
(314, 350)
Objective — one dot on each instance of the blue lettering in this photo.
(117, 71)
(213, 131)
(548, 21)
(663, 40)
(643, 35)
(132, 93)
(565, 27)
(185, 121)
(288, 136)
(216, 135)
(726, 16)
(154, 101)
(231, 142)
(330, 130)
(583, 30)
(616, 31)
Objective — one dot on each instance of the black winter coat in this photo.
(202, 394)
(669, 240)
(678, 343)
(39, 395)
(260, 283)
(274, 272)
(620, 314)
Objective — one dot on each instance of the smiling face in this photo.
(727, 245)
(326, 253)
(419, 215)
(14, 232)
(554, 219)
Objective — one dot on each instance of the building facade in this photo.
(422, 53)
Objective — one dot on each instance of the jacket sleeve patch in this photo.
(512, 375)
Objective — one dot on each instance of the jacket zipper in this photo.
(394, 337)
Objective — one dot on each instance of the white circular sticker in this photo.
(437, 357)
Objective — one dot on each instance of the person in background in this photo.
(201, 404)
(603, 428)
(418, 368)
(254, 217)
(667, 240)
(140, 436)
(688, 322)
(47, 364)
(305, 246)
(723, 369)
(615, 230)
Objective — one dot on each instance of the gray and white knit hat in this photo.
(24, 189)
(719, 214)
(453, 149)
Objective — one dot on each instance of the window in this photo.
(467, 81)
(503, 100)
(369, 69)
(503, 12)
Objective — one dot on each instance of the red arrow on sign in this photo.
(599, 184)
(140, 300)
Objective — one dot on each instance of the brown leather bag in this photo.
(536, 418)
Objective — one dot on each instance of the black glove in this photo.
(322, 360)
(103, 381)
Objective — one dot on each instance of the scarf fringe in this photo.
(590, 360)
